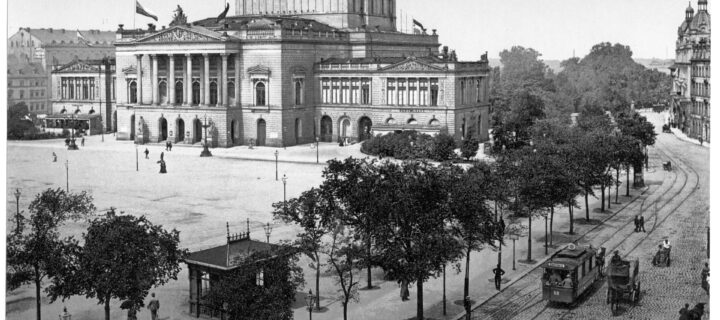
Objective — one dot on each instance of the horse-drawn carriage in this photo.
(570, 273)
(623, 282)
(662, 256)
(666, 128)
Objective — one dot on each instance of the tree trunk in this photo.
(466, 291)
(107, 308)
(602, 199)
(369, 266)
(587, 207)
(552, 214)
(609, 196)
(317, 280)
(345, 310)
(420, 310)
(627, 187)
(37, 292)
(570, 211)
(617, 184)
(529, 254)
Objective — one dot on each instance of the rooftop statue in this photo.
(179, 18)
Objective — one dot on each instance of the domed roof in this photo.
(689, 9)
(701, 21)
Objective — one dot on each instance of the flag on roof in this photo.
(81, 38)
(141, 11)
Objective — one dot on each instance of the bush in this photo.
(444, 148)
(469, 148)
(411, 145)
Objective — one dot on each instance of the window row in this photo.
(471, 89)
(345, 90)
(701, 108)
(701, 71)
(21, 83)
(412, 91)
(701, 89)
(36, 107)
(77, 88)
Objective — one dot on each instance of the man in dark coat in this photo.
(684, 312)
(705, 274)
(641, 224)
(499, 272)
(154, 305)
(637, 223)
(147, 152)
(697, 312)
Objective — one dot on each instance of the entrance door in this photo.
(364, 129)
(261, 127)
(298, 130)
(180, 125)
(197, 131)
(232, 132)
(132, 127)
(163, 134)
(326, 129)
(345, 129)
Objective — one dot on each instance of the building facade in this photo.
(86, 87)
(690, 98)
(263, 77)
(52, 48)
(28, 83)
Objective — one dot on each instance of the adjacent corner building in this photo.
(288, 72)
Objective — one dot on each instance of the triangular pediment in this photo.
(77, 67)
(411, 64)
(181, 34)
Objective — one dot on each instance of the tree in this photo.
(634, 125)
(123, 257)
(345, 252)
(315, 212)
(41, 253)
(469, 148)
(511, 128)
(18, 123)
(244, 298)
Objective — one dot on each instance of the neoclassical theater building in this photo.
(287, 72)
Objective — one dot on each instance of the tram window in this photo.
(583, 268)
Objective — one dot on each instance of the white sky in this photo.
(553, 27)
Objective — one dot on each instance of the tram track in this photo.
(526, 300)
(685, 168)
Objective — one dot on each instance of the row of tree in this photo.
(118, 257)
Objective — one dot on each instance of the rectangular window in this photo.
(477, 91)
(355, 88)
(335, 90)
(345, 90)
(462, 92)
(325, 90)
(423, 92)
(205, 283)
(260, 278)
(402, 92)
(412, 92)
(391, 92)
(434, 92)
(365, 91)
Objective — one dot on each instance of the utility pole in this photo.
(67, 176)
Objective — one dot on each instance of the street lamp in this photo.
(284, 180)
(513, 237)
(310, 301)
(137, 164)
(276, 164)
(72, 145)
(268, 229)
(317, 150)
(206, 151)
(17, 213)
(67, 176)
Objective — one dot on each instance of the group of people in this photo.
(705, 274)
(154, 306)
(663, 252)
(555, 279)
(82, 141)
(639, 223)
(695, 313)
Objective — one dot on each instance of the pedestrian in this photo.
(641, 224)
(132, 313)
(502, 226)
(684, 312)
(54, 157)
(404, 290)
(701, 140)
(170, 145)
(167, 145)
(697, 312)
(154, 305)
(162, 156)
(637, 223)
(147, 152)
(666, 244)
(499, 272)
(82, 141)
(705, 274)
(67, 142)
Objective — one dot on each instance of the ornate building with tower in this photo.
(690, 98)
(288, 72)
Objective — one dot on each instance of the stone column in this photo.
(417, 92)
(206, 78)
(188, 80)
(202, 83)
(171, 79)
(154, 75)
(223, 78)
(139, 79)
(237, 79)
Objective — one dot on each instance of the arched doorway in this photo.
(133, 92)
(179, 92)
(180, 126)
(364, 129)
(345, 128)
(163, 129)
(197, 131)
(261, 127)
(132, 127)
(298, 130)
(196, 93)
(326, 129)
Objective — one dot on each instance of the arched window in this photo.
(260, 94)
(231, 90)
(132, 93)
(298, 92)
(162, 90)
(390, 121)
(412, 121)
(434, 123)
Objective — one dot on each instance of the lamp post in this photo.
(67, 176)
(317, 150)
(17, 213)
(72, 145)
(513, 237)
(284, 180)
(206, 151)
(268, 229)
(310, 301)
(276, 164)
(137, 164)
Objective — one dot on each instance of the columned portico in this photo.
(139, 79)
(154, 62)
(171, 78)
(223, 79)
(188, 80)
(237, 79)
(206, 79)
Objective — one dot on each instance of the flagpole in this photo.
(134, 13)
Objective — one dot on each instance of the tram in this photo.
(569, 273)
